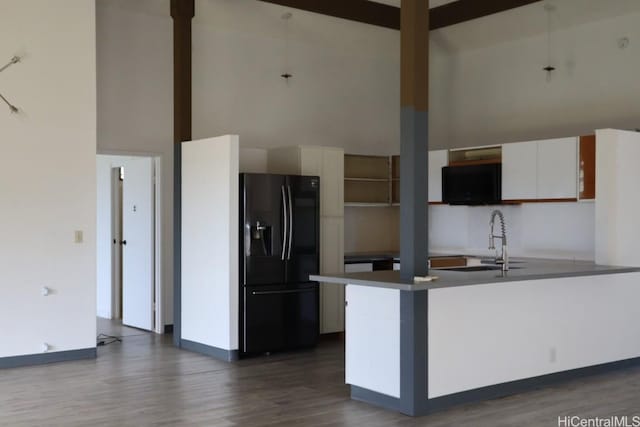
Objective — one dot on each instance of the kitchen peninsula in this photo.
(475, 335)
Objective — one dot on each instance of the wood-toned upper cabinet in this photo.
(587, 168)
(520, 171)
(437, 160)
(558, 169)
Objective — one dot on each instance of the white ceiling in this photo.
(525, 21)
(531, 20)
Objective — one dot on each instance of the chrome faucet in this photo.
(504, 258)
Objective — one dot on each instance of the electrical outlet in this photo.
(78, 236)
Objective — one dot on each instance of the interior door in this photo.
(138, 218)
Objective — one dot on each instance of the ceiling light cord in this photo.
(286, 74)
(549, 69)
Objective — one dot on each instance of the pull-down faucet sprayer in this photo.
(504, 258)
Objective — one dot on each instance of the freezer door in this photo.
(263, 225)
(279, 317)
(303, 246)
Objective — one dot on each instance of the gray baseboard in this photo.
(375, 398)
(522, 386)
(44, 358)
(429, 406)
(215, 352)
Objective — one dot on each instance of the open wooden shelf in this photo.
(367, 181)
(366, 167)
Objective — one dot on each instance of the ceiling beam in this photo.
(365, 11)
(461, 11)
(383, 15)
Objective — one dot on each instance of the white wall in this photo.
(103, 236)
(135, 98)
(499, 94)
(48, 176)
(544, 230)
(345, 86)
(253, 160)
(618, 202)
(210, 217)
(495, 333)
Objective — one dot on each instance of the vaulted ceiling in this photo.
(386, 13)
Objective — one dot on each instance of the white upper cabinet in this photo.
(519, 171)
(540, 170)
(437, 160)
(558, 168)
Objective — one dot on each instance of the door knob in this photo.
(123, 242)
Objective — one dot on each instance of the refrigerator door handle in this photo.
(284, 218)
(291, 291)
(290, 221)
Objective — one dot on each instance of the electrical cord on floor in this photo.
(104, 339)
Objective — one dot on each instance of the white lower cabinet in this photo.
(372, 351)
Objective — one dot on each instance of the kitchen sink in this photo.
(480, 268)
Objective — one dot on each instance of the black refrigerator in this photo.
(279, 249)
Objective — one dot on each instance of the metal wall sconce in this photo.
(12, 107)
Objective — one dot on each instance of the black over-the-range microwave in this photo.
(472, 184)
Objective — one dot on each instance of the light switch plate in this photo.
(78, 236)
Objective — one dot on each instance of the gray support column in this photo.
(182, 12)
(413, 352)
(414, 138)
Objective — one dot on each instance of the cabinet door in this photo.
(311, 161)
(328, 164)
(372, 352)
(437, 160)
(519, 171)
(558, 168)
(331, 261)
(358, 268)
(332, 182)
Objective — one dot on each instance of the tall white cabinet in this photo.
(328, 164)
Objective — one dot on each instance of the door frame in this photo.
(158, 303)
(116, 249)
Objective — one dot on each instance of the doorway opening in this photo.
(128, 293)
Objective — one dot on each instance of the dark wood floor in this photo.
(145, 381)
